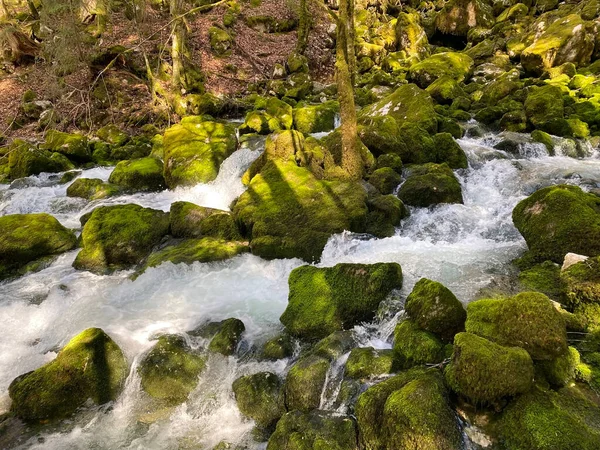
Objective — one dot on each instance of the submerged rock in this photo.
(324, 300)
(139, 175)
(90, 366)
(25, 238)
(430, 184)
(260, 397)
(228, 336)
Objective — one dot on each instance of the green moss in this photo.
(304, 383)
(544, 278)
(385, 180)
(324, 300)
(334, 346)
(385, 214)
(448, 151)
(194, 151)
(226, 340)
(548, 420)
(117, 237)
(414, 346)
(485, 372)
(260, 397)
(561, 370)
(528, 320)
(456, 66)
(317, 430)
(25, 238)
(73, 146)
(430, 184)
(434, 308)
(411, 36)
(544, 138)
(316, 118)
(582, 283)
(278, 347)
(90, 366)
(144, 174)
(220, 41)
(92, 189)
(113, 135)
(170, 371)
(544, 107)
(557, 220)
(390, 160)
(458, 17)
(277, 116)
(287, 212)
(381, 136)
(186, 218)
(366, 362)
(445, 90)
(24, 159)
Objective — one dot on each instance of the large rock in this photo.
(324, 300)
(260, 397)
(430, 184)
(435, 309)
(144, 174)
(276, 116)
(457, 66)
(528, 320)
(485, 372)
(414, 346)
(557, 220)
(581, 283)
(92, 189)
(316, 118)
(25, 159)
(27, 237)
(194, 150)
(118, 237)
(410, 411)
(304, 383)
(228, 336)
(314, 430)
(568, 39)
(73, 146)
(544, 109)
(170, 371)
(90, 366)
(192, 221)
(287, 212)
(411, 36)
(459, 16)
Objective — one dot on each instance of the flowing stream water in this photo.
(463, 246)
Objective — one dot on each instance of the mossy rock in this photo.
(90, 366)
(385, 214)
(226, 340)
(454, 65)
(544, 109)
(25, 159)
(260, 397)
(324, 300)
(186, 218)
(411, 36)
(304, 383)
(385, 180)
(545, 420)
(445, 90)
(194, 150)
(557, 220)
(528, 320)
(170, 371)
(113, 135)
(430, 184)
(367, 362)
(92, 189)
(279, 347)
(277, 116)
(73, 146)
(381, 135)
(414, 346)
(297, 62)
(139, 175)
(118, 237)
(288, 213)
(318, 430)
(390, 160)
(485, 372)
(458, 17)
(334, 346)
(25, 238)
(316, 118)
(409, 410)
(544, 278)
(568, 39)
(220, 41)
(561, 370)
(582, 283)
(448, 151)
(434, 308)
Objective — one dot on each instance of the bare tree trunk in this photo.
(352, 162)
(177, 43)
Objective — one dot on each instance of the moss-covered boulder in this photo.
(581, 283)
(304, 383)
(445, 89)
(25, 159)
(390, 160)
(456, 66)
(277, 115)
(409, 104)
(194, 150)
(367, 362)
(385, 214)
(260, 397)
(228, 336)
(544, 278)
(385, 180)
(25, 238)
(118, 237)
(287, 212)
(73, 146)
(316, 118)
(458, 17)
(430, 184)
(92, 189)
(434, 308)
(314, 430)
(220, 41)
(170, 371)
(324, 300)
(411, 36)
(528, 320)
(113, 135)
(568, 39)
(409, 410)
(139, 175)
(544, 109)
(561, 370)
(557, 220)
(192, 221)
(279, 347)
(485, 372)
(545, 419)
(90, 366)
(448, 151)
(414, 346)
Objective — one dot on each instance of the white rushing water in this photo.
(462, 246)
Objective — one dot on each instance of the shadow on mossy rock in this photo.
(90, 366)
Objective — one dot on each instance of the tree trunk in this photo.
(303, 27)
(177, 43)
(352, 162)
